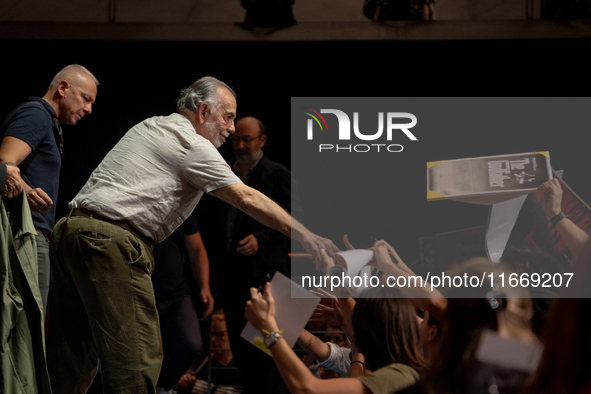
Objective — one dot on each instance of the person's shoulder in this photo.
(403, 369)
(29, 119)
(168, 130)
(163, 120)
(398, 371)
(32, 108)
(391, 378)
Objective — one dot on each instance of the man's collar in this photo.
(186, 116)
(45, 104)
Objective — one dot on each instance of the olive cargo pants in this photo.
(101, 307)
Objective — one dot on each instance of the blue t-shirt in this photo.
(168, 278)
(33, 124)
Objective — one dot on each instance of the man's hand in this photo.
(322, 249)
(323, 262)
(13, 186)
(208, 300)
(314, 243)
(39, 201)
(551, 194)
(249, 245)
(186, 381)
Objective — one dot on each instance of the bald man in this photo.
(254, 250)
(32, 139)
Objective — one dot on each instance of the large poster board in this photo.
(489, 179)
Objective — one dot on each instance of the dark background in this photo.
(142, 79)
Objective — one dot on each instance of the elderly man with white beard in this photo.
(102, 302)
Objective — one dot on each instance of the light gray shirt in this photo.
(155, 176)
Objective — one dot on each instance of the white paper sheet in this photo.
(507, 352)
(502, 218)
(354, 260)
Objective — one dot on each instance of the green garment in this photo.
(390, 379)
(23, 369)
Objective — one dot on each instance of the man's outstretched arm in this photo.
(264, 210)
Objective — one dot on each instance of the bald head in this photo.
(248, 140)
(71, 93)
(250, 123)
(73, 73)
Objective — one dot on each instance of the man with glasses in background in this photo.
(253, 250)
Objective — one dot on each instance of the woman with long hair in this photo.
(386, 332)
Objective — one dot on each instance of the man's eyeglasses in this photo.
(246, 139)
(218, 334)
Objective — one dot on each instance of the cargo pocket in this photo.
(137, 255)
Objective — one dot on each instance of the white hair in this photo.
(203, 90)
(68, 73)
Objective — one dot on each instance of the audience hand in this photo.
(550, 193)
(382, 252)
(328, 312)
(347, 243)
(260, 310)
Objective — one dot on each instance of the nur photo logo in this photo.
(387, 127)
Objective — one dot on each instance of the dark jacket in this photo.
(275, 181)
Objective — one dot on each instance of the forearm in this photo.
(268, 213)
(574, 237)
(315, 348)
(200, 268)
(256, 205)
(296, 375)
(357, 368)
(198, 259)
(299, 379)
(347, 305)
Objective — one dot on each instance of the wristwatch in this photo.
(272, 339)
(558, 218)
